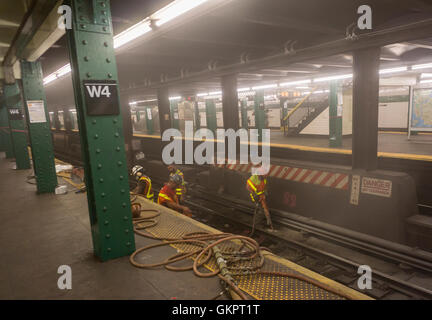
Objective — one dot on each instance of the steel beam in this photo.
(365, 108)
(95, 82)
(335, 116)
(260, 114)
(38, 125)
(34, 18)
(17, 125)
(403, 33)
(164, 109)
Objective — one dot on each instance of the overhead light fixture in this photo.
(426, 81)
(167, 13)
(133, 103)
(132, 33)
(302, 88)
(267, 86)
(293, 83)
(393, 70)
(215, 93)
(426, 75)
(175, 9)
(331, 78)
(175, 98)
(243, 89)
(202, 94)
(59, 73)
(421, 66)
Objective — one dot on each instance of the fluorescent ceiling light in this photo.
(421, 66)
(215, 93)
(175, 98)
(302, 88)
(132, 33)
(293, 83)
(426, 81)
(243, 89)
(330, 78)
(55, 75)
(267, 86)
(393, 70)
(167, 13)
(175, 9)
(426, 75)
(202, 94)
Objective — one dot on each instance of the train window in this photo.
(61, 120)
(139, 121)
(74, 119)
(52, 120)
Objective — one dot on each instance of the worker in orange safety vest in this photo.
(168, 197)
(257, 187)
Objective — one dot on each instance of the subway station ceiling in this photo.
(224, 33)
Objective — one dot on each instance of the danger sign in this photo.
(376, 187)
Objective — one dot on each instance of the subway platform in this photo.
(42, 232)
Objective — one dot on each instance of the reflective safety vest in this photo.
(180, 189)
(149, 195)
(258, 186)
(166, 194)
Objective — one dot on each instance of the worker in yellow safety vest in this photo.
(168, 197)
(181, 189)
(257, 187)
(144, 185)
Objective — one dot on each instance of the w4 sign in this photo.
(101, 97)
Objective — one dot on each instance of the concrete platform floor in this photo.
(38, 233)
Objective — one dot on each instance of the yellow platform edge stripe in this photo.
(353, 294)
(407, 156)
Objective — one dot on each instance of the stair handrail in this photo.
(299, 104)
(285, 119)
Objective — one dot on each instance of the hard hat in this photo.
(137, 169)
(176, 179)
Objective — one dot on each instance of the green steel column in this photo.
(197, 117)
(5, 130)
(260, 115)
(138, 115)
(95, 83)
(17, 125)
(174, 114)
(244, 116)
(38, 124)
(149, 120)
(211, 115)
(335, 116)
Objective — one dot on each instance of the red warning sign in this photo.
(377, 187)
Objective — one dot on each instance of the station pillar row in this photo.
(17, 125)
(38, 127)
(365, 108)
(5, 130)
(95, 83)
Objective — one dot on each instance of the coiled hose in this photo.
(205, 242)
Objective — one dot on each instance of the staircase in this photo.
(303, 116)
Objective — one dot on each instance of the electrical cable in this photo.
(205, 242)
